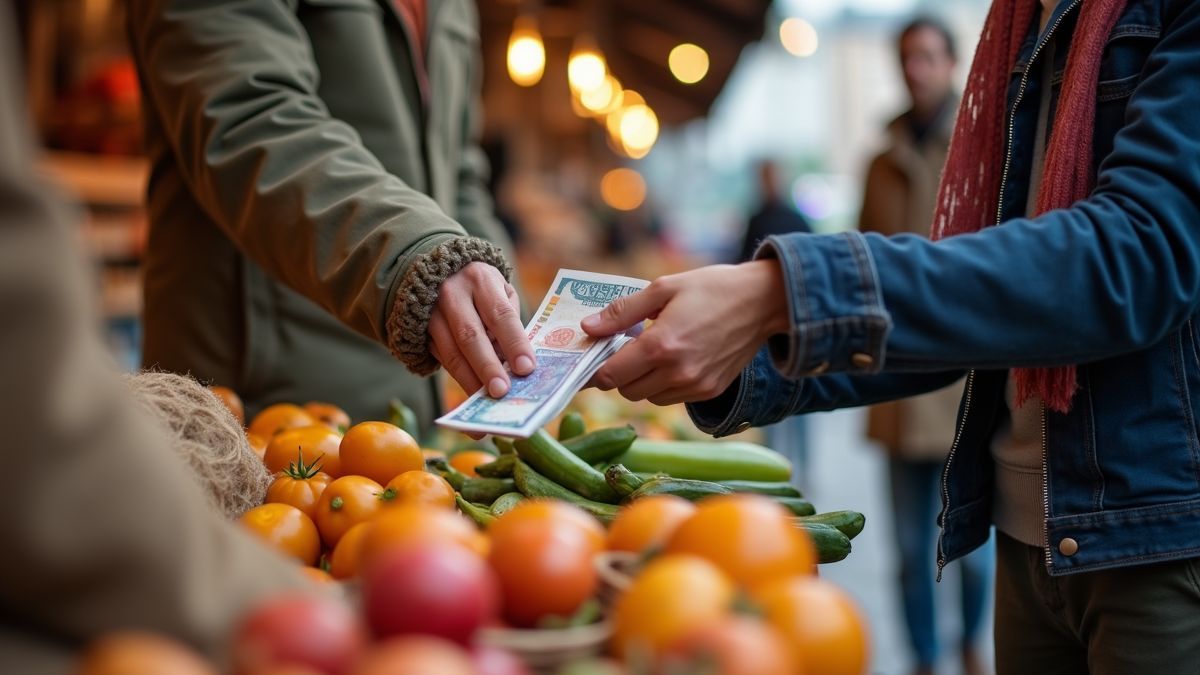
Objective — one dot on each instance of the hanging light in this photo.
(612, 122)
(688, 63)
(798, 36)
(585, 68)
(623, 189)
(526, 52)
(638, 130)
(604, 99)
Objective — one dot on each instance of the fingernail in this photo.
(497, 387)
(524, 365)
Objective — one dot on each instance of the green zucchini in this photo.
(798, 506)
(403, 416)
(571, 426)
(486, 490)
(849, 523)
(772, 489)
(680, 487)
(441, 467)
(505, 502)
(703, 460)
(624, 481)
(533, 484)
(831, 544)
(501, 467)
(551, 459)
(475, 512)
(503, 445)
(602, 445)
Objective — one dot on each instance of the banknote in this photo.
(566, 358)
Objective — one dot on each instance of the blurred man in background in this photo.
(899, 197)
(776, 216)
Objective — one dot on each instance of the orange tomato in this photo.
(408, 524)
(542, 554)
(286, 528)
(673, 595)
(415, 655)
(343, 562)
(232, 401)
(317, 574)
(380, 451)
(126, 652)
(328, 414)
(418, 487)
(466, 461)
(750, 537)
(318, 444)
(276, 418)
(647, 523)
(299, 485)
(823, 626)
(257, 443)
(347, 501)
(733, 645)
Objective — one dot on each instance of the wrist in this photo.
(771, 293)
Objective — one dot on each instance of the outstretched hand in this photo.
(708, 324)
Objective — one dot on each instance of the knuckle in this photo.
(503, 309)
(466, 335)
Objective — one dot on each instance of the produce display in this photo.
(589, 550)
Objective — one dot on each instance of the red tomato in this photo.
(438, 589)
(315, 632)
(416, 655)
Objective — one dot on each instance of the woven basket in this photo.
(545, 651)
(616, 570)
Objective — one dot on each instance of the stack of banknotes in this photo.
(566, 358)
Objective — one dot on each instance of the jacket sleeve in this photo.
(761, 396)
(233, 84)
(106, 527)
(1115, 273)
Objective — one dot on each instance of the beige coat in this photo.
(103, 527)
(899, 197)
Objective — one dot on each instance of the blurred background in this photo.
(625, 136)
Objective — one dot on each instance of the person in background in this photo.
(108, 529)
(1064, 282)
(775, 216)
(899, 197)
(317, 198)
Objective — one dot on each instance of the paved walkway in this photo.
(846, 471)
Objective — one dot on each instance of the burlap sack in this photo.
(207, 437)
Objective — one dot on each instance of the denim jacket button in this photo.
(1068, 547)
(862, 361)
(819, 369)
(741, 427)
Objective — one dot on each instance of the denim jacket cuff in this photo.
(758, 396)
(838, 321)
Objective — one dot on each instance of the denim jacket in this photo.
(1111, 285)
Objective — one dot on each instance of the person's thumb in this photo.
(624, 312)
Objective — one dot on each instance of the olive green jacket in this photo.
(301, 161)
(105, 527)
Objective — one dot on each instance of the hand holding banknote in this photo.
(708, 325)
(566, 358)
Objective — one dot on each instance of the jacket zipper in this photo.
(962, 423)
(1012, 121)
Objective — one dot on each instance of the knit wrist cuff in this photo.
(408, 325)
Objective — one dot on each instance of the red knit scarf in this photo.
(970, 191)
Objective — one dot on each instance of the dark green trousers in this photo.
(1142, 620)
